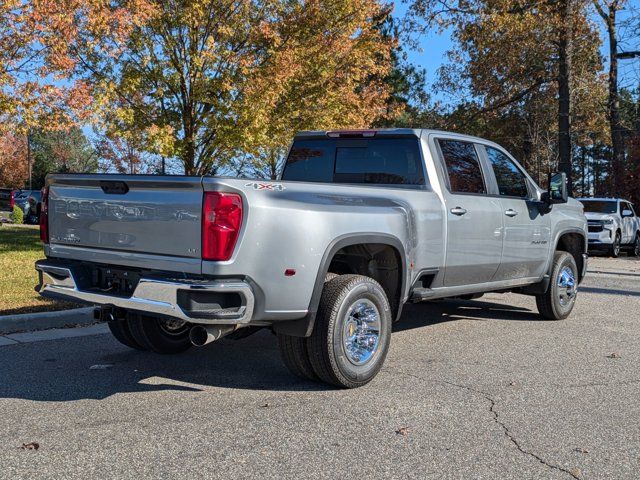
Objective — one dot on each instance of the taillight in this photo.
(221, 222)
(44, 216)
(12, 201)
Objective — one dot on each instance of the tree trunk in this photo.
(564, 92)
(617, 138)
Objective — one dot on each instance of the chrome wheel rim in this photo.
(361, 332)
(616, 246)
(567, 286)
(173, 326)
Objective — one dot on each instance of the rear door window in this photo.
(463, 167)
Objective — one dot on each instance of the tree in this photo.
(608, 10)
(14, 167)
(209, 80)
(31, 92)
(61, 151)
(124, 156)
(514, 57)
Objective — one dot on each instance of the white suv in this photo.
(613, 225)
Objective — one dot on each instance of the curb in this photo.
(46, 320)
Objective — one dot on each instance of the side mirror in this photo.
(627, 213)
(557, 191)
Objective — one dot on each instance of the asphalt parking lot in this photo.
(480, 389)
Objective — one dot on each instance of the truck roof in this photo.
(381, 132)
(603, 199)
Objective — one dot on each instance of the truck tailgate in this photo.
(133, 213)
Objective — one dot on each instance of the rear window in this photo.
(382, 161)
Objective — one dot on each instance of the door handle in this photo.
(511, 213)
(458, 211)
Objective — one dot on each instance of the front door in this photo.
(628, 223)
(527, 230)
(474, 220)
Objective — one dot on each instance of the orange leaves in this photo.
(14, 168)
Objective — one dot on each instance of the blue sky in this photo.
(433, 47)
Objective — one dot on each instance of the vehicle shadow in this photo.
(610, 291)
(98, 367)
(430, 313)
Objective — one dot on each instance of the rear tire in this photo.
(352, 332)
(560, 298)
(121, 331)
(294, 352)
(295, 356)
(160, 335)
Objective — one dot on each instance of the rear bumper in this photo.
(155, 296)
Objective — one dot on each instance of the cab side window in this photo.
(463, 167)
(511, 181)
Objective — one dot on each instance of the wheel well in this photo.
(379, 261)
(573, 243)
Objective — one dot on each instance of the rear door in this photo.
(138, 214)
(474, 219)
(527, 232)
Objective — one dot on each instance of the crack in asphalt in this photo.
(507, 433)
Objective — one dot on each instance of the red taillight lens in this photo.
(44, 216)
(12, 201)
(221, 222)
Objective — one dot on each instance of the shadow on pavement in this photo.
(431, 313)
(610, 291)
(60, 370)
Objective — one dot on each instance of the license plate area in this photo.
(114, 281)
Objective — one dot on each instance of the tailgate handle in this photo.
(114, 188)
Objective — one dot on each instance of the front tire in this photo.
(352, 332)
(614, 250)
(560, 298)
(165, 336)
(635, 249)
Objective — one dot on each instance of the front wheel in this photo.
(560, 298)
(615, 247)
(351, 336)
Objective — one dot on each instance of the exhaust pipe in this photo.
(201, 335)
(106, 314)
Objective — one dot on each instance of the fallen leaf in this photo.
(30, 446)
(100, 366)
(404, 431)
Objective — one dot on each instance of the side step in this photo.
(421, 289)
(420, 293)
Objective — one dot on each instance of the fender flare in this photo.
(543, 285)
(304, 326)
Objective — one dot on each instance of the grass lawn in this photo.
(20, 247)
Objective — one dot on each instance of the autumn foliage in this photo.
(14, 169)
(207, 80)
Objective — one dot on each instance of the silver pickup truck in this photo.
(360, 223)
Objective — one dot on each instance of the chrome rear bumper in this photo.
(151, 295)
